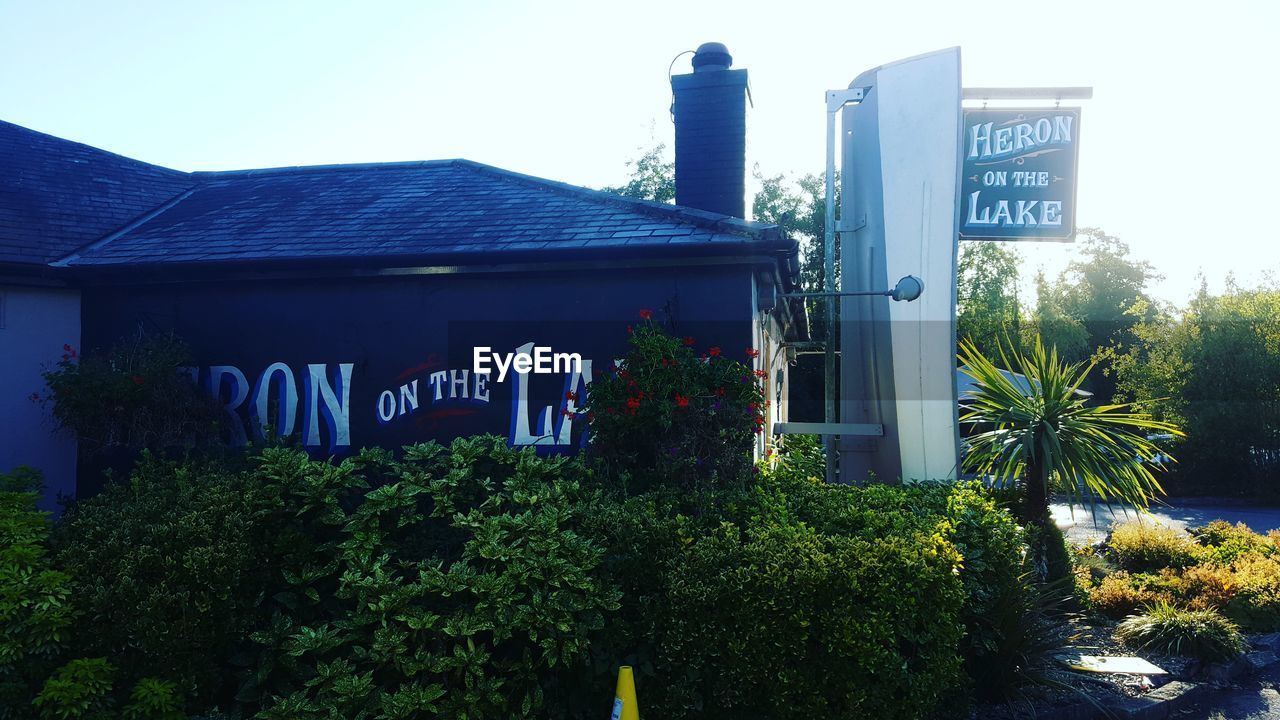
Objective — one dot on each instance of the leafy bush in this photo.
(461, 588)
(988, 539)
(79, 689)
(169, 572)
(670, 417)
(1140, 547)
(786, 602)
(135, 396)
(1116, 596)
(154, 699)
(1090, 563)
(1203, 587)
(1225, 543)
(789, 623)
(1256, 601)
(35, 612)
(1203, 634)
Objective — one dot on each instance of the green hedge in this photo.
(169, 570)
(477, 578)
(805, 599)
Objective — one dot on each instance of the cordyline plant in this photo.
(1042, 434)
(673, 415)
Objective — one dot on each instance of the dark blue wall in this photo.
(329, 351)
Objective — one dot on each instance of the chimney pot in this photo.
(712, 56)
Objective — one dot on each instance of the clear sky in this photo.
(1179, 155)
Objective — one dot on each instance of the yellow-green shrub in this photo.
(1117, 597)
(1140, 547)
(1205, 586)
(1224, 543)
(1256, 603)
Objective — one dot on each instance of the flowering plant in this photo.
(673, 415)
(134, 396)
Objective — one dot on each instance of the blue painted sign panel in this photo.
(1019, 174)
(345, 364)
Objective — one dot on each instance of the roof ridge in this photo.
(95, 149)
(329, 167)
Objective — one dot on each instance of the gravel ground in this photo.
(1253, 699)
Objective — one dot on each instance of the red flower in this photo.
(753, 353)
(631, 330)
(591, 417)
(138, 379)
(688, 341)
(646, 314)
(714, 351)
(760, 374)
(571, 396)
(66, 347)
(633, 403)
(681, 401)
(566, 412)
(720, 391)
(753, 406)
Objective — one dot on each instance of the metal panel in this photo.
(898, 359)
(822, 428)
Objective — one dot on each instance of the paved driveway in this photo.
(1081, 526)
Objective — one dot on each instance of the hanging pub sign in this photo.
(1019, 174)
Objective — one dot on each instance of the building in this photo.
(344, 303)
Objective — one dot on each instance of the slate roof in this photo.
(57, 195)
(403, 212)
(70, 205)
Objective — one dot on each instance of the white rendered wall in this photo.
(35, 323)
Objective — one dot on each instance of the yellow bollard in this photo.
(624, 701)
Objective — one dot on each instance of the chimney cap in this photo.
(712, 56)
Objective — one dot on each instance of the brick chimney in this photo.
(710, 109)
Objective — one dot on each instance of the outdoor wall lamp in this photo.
(908, 288)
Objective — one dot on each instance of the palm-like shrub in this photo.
(1041, 433)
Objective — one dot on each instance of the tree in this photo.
(1094, 304)
(799, 208)
(988, 312)
(1216, 371)
(1052, 323)
(653, 177)
(1042, 434)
